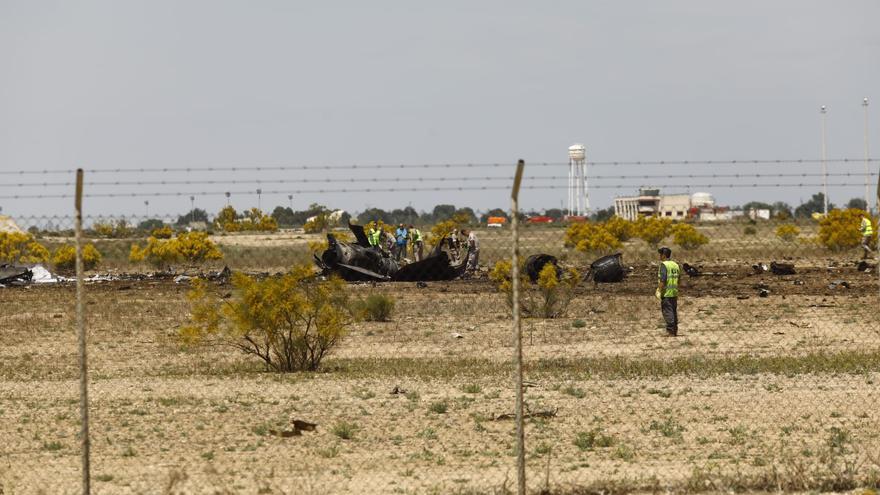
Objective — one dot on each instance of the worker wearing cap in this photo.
(373, 235)
(867, 230)
(667, 290)
(415, 236)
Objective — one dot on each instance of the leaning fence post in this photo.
(517, 333)
(81, 337)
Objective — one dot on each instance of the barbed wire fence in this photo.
(769, 384)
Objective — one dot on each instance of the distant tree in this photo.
(602, 215)
(466, 215)
(814, 205)
(196, 215)
(283, 215)
(373, 214)
(781, 210)
(858, 204)
(150, 225)
(442, 212)
(406, 216)
(555, 213)
(494, 212)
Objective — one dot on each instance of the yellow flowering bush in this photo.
(19, 247)
(290, 322)
(192, 247)
(64, 257)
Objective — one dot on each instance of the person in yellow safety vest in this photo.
(867, 231)
(416, 241)
(373, 235)
(667, 290)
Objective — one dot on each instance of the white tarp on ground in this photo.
(42, 276)
(7, 224)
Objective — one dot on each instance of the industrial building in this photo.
(650, 203)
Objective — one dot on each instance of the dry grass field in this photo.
(756, 394)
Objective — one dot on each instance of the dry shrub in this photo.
(64, 257)
(19, 247)
(592, 238)
(788, 232)
(839, 230)
(192, 247)
(165, 232)
(113, 230)
(687, 237)
(253, 220)
(652, 229)
(317, 224)
(444, 228)
(290, 322)
(620, 228)
(549, 298)
(376, 307)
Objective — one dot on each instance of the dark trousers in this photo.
(669, 308)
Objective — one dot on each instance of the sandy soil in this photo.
(173, 419)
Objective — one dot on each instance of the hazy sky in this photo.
(131, 84)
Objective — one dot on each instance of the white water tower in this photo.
(578, 194)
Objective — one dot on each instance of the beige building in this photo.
(651, 203)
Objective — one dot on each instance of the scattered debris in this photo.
(526, 415)
(421, 285)
(536, 262)
(760, 268)
(763, 293)
(299, 426)
(838, 284)
(782, 268)
(358, 262)
(14, 273)
(864, 266)
(42, 276)
(692, 270)
(181, 278)
(222, 276)
(800, 325)
(798, 282)
(397, 390)
(456, 335)
(742, 298)
(607, 269)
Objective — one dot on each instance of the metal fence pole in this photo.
(81, 336)
(517, 334)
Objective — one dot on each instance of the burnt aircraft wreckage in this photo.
(358, 262)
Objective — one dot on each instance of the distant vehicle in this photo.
(539, 219)
(496, 222)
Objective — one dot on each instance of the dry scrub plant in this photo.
(687, 237)
(254, 219)
(839, 230)
(64, 257)
(788, 232)
(548, 298)
(193, 247)
(19, 247)
(593, 238)
(291, 322)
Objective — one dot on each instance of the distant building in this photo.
(650, 203)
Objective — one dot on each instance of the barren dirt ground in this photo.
(757, 393)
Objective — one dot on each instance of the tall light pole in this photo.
(259, 200)
(192, 209)
(867, 173)
(227, 197)
(290, 198)
(824, 111)
(147, 207)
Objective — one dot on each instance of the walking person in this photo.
(415, 236)
(401, 235)
(867, 230)
(473, 245)
(667, 290)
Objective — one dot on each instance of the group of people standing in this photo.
(408, 239)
